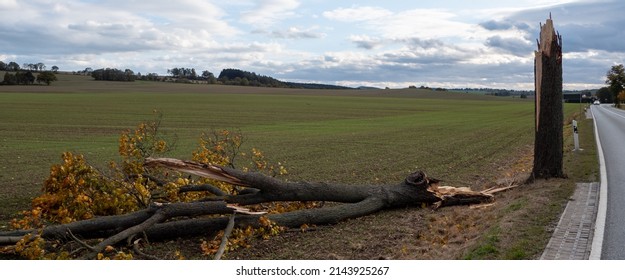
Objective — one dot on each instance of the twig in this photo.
(82, 243)
(480, 206)
(224, 239)
(137, 250)
(496, 190)
(156, 218)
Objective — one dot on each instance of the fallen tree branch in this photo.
(82, 243)
(202, 188)
(224, 239)
(164, 212)
(167, 221)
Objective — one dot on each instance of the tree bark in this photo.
(548, 143)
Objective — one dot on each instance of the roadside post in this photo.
(575, 136)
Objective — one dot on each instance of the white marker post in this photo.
(575, 136)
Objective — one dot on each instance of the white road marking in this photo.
(614, 113)
(597, 240)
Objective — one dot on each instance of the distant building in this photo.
(577, 97)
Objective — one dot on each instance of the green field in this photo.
(346, 136)
(349, 136)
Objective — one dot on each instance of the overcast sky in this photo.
(438, 43)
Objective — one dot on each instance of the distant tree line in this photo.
(231, 76)
(189, 74)
(228, 76)
(11, 66)
(313, 86)
(148, 77)
(15, 75)
(34, 67)
(86, 72)
(244, 78)
(113, 74)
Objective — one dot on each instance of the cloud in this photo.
(515, 45)
(584, 25)
(493, 25)
(384, 43)
(8, 4)
(110, 26)
(356, 14)
(296, 33)
(366, 42)
(269, 12)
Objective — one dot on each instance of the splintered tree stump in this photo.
(548, 143)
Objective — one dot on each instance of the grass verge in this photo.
(526, 222)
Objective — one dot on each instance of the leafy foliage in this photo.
(615, 78)
(46, 77)
(19, 78)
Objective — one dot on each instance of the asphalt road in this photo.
(611, 128)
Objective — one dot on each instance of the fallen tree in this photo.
(212, 213)
(84, 212)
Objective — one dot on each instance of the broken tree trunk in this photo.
(168, 221)
(548, 143)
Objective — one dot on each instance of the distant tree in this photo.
(9, 79)
(25, 78)
(13, 66)
(40, 66)
(206, 74)
(184, 73)
(621, 95)
(129, 75)
(175, 72)
(149, 77)
(605, 95)
(245, 82)
(209, 77)
(3, 66)
(46, 77)
(616, 81)
(55, 69)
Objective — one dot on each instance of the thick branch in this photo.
(416, 189)
(202, 188)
